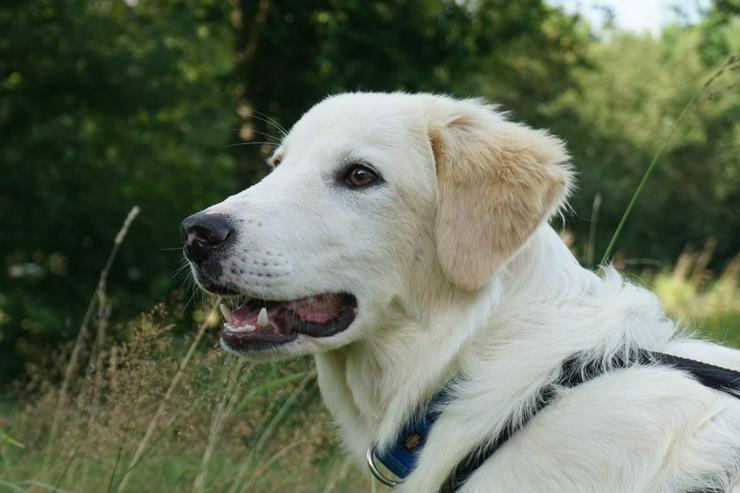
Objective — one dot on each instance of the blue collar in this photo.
(401, 456)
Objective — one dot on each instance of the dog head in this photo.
(371, 199)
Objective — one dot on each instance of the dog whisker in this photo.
(258, 115)
(270, 138)
(242, 144)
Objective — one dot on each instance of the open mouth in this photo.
(260, 324)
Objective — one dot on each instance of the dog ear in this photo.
(497, 181)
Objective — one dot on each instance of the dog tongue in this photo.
(317, 309)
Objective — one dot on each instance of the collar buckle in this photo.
(376, 472)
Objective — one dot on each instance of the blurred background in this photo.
(169, 105)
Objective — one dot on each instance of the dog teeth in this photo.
(242, 328)
(225, 312)
(262, 317)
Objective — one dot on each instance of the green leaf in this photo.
(13, 487)
(8, 439)
(44, 486)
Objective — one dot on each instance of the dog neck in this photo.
(372, 386)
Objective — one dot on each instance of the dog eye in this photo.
(360, 176)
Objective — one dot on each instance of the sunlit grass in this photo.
(164, 411)
(711, 305)
(231, 425)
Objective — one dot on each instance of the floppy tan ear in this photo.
(497, 181)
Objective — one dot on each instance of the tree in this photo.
(103, 105)
(293, 53)
(620, 113)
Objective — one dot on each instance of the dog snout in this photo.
(205, 235)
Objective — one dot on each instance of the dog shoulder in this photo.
(638, 429)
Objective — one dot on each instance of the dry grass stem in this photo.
(82, 334)
(166, 398)
(223, 410)
(236, 486)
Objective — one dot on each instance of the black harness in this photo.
(401, 457)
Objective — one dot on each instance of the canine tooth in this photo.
(225, 312)
(262, 317)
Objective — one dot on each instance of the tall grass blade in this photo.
(134, 463)
(67, 464)
(223, 410)
(334, 478)
(119, 453)
(168, 394)
(44, 486)
(82, 334)
(592, 230)
(730, 64)
(12, 486)
(4, 437)
(258, 473)
(267, 386)
(237, 484)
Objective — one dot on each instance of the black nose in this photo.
(203, 235)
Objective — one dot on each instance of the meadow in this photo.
(114, 380)
(164, 411)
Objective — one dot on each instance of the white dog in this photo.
(403, 240)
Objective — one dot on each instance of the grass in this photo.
(700, 301)
(216, 423)
(227, 425)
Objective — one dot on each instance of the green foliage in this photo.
(229, 426)
(103, 106)
(107, 104)
(625, 107)
(708, 306)
(295, 53)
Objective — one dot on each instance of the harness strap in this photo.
(400, 458)
(711, 376)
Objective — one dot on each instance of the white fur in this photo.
(641, 429)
